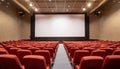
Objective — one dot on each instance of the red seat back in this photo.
(21, 53)
(101, 53)
(79, 54)
(34, 62)
(111, 62)
(91, 62)
(44, 53)
(9, 62)
(116, 52)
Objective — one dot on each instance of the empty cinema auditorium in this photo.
(59, 34)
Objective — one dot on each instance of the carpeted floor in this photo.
(61, 61)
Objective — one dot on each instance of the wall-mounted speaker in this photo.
(21, 13)
(97, 13)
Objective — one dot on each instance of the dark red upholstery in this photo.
(101, 53)
(78, 55)
(44, 53)
(21, 53)
(90, 62)
(3, 51)
(72, 51)
(89, 49)
(50, 50)
(111, 62)
(108, 50)
(34, 62)
(116, 52)
(10, 62)
(13, 50)
(33, 49)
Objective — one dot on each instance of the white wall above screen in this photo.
(60, 25)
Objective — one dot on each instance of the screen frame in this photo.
(32, 36)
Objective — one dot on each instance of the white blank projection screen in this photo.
(60, 25)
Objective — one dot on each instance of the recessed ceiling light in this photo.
(6, 6)
(8, 3)
(50, 0)
(119, 2)
(84, 9)
(68, 6)
(89, 4)
(52, 10)
(2, 0)
(26, 0)
(93, 0)
(114, 1)
(67, 10)
(30, 4)
(36, 9)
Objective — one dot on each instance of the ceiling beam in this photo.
(100, 4)
(23, 7)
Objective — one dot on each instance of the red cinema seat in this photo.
(108, 50)
(101, 53)
(78, 55)
(33, 49)
(116, 52)
(111, 62)
(10, 62)
(90, 62)
(72, 51)
(89, 49)
(34, 62)
(3, 51)
(51, 51)
(21, 53)
(44, 53)
(13, 50)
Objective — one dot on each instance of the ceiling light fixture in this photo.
(67, 10)
(8, 3)
(50, 0)
(7, 6)
(114, 1)
(119, 2)
(2, 0)
(30, 4)
(84, 9)
(94, 0)
(52, 10)
(36, 9)
(26, 0)
(68, 6)
(89, 4)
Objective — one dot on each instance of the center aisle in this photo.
(61, 61)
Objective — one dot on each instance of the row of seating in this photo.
(97, 62)
(76, 50)
(29, 62)
(47, 49)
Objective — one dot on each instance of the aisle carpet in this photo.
(61, 60)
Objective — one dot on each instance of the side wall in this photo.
(11, 25)
(107, 25)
